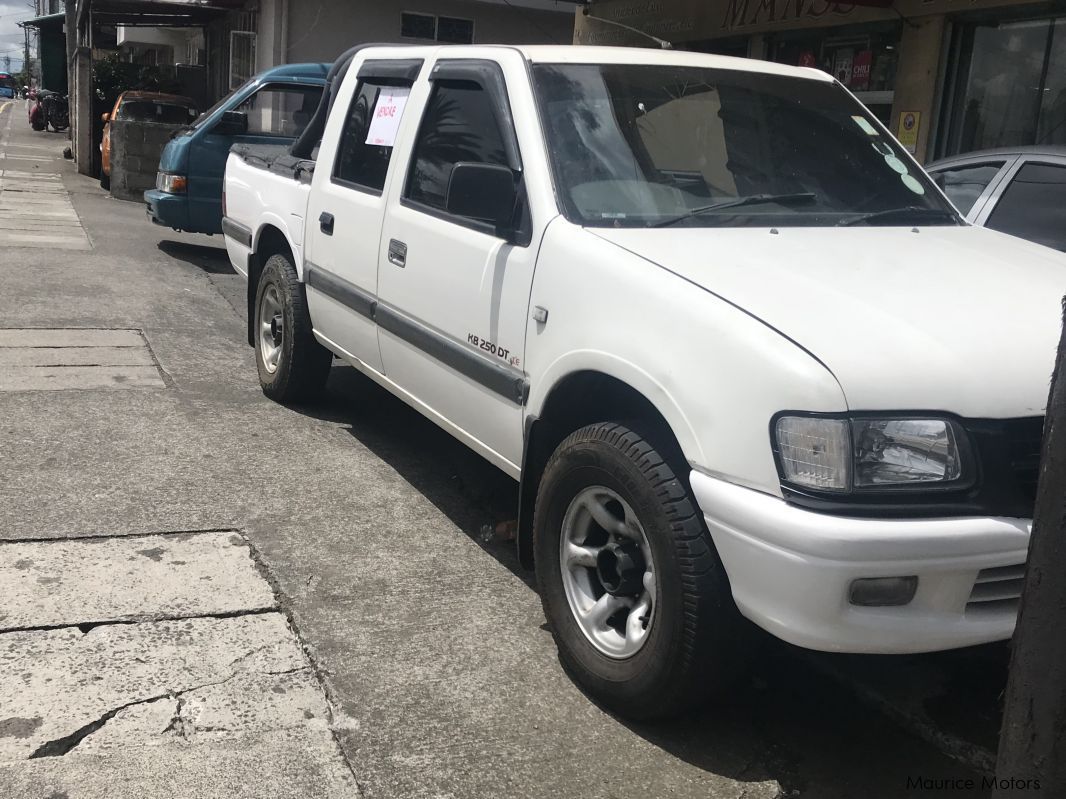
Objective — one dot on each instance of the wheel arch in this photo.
(584, 396)
(270, 240)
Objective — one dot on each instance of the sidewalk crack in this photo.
(62, 746)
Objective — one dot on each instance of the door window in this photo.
(362, 159)
(282, 111)
(1034, 206)
(964, 184)
(458, 126)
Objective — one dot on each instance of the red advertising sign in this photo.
(860, 70)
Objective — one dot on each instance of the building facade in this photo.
(946, 76)
(291, 31)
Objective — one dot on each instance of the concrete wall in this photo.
(322, 30)
(135, 151)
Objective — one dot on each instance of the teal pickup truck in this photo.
(271, 108)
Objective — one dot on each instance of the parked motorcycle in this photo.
(37, 117)
(50, 108)
(57, 111)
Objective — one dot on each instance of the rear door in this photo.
(454, 294)
(276, 113)
(347, 205)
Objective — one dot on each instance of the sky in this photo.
(12, 11)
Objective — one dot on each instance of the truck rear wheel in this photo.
(634, 591)
(293, 366)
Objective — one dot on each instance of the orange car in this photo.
(143, 107)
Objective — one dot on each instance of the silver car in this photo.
(1017, 190)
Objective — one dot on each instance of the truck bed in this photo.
(265, 187)
(276, 158)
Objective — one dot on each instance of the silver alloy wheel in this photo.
(608, 572)
(271, 327)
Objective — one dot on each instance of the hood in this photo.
(957, 319)
(175, 155)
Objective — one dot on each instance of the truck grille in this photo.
(1024, 440)
(996, 590)
(1009, 455)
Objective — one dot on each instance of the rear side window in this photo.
(964, 184)
(458, 126)
(281, 111)
(1034, 206)
(364, 152)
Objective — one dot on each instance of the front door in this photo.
(454, 295)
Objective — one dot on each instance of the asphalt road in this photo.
(437, 673)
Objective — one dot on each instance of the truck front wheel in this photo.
(293, 366)
(631, 584)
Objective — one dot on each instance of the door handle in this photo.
(397, 253)
(325, 223)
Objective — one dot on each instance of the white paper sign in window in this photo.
(387, 113)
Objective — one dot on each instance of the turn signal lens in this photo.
(171, 184)
(814, 451)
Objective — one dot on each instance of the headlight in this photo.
(171, 184)
(867, 453)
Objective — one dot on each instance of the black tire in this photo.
(302, 364)
(694, 644)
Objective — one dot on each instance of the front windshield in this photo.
(647, 146)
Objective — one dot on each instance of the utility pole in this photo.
(26, 53)
(1032, 741)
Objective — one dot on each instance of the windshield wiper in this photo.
(905, 211)
(751, 199)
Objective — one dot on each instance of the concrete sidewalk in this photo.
(439, 675)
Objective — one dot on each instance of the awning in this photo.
(162, 13)
(47, 21)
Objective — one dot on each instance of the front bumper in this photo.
(169, 210)
(791, 571)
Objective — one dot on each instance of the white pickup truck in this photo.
(743, 356)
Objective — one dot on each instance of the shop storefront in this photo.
(1006, 83)
(862, 57)
(945, 76)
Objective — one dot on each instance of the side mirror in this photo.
(486, 192)
(106, 118)
(233, 123)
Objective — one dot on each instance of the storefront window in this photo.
(1011, 86)
(863, 59)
